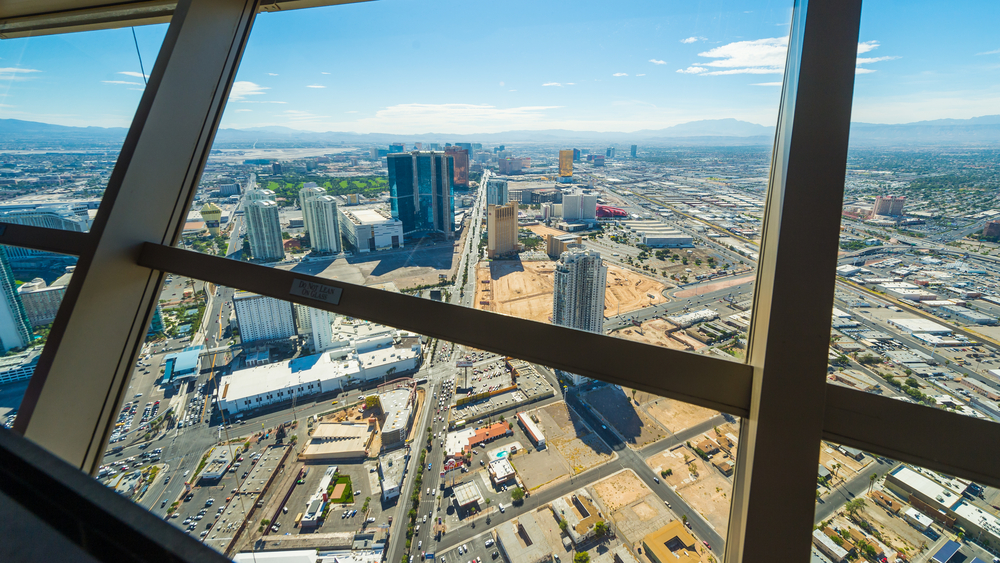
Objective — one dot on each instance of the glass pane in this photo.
(584, 157)
(33, 285)
(245, 408)
(67, 102)
(873, 507)
(916, 304)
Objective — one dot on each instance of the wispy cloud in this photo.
(134, 74)
(271, 74)
(552, 84)
(767, 84)
(620, 74)
(242, 110)
(245, 88)
(640, 75)
(693, 39)
(760, 56)
(315, 86)
(993, 52)
(122, 82)
(865, 47)
(16, 73)
(352, 111)
(657, 62)
(321, 72)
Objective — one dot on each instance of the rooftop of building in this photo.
(181, 363)
(468, 493)
(396, 406)
(281, 375)
(333, 438)
(672, 543)
(367, 215)
(18, 360)
(392, 465)
(523, 541)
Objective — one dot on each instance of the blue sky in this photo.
(402, 66)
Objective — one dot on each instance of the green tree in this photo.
(517, 495)
(600, 528)
(853, 507)
(563, 525)
(582, 557)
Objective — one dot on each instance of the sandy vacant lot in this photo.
(621, 489)
(674, 415)
(849, 467)
(563, 429)
(524, 289)
(542, 230)
(628, 291)
(716, 286)
(704, 489)
(655, 332)
(515, 288)
(633, 425)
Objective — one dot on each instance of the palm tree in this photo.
(871, 482)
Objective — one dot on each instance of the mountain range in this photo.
(983, 130)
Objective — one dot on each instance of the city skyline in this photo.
(640, 68)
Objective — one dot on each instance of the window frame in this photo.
(130, 247)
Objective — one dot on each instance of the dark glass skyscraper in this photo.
(421, 185)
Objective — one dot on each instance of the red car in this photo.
(706, 544)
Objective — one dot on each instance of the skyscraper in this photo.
(212, 215)
(396, 148)
(576, 155)
(565, 165)
(15, 331)
(610, 152)
(578, 296)
(496, 192)
(259, 194)
(264, 231)
(634, 149)
(262, 318)
(461, 155)
(319, 215)
(501, 229)
(421, 192)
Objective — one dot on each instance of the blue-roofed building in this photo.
(946, 553)
(181, 366)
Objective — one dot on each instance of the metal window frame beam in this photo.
(933, 438)
(790, 328)
(49, 240)
(110, 300)
(707, 381)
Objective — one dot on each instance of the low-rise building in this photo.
(336, 441)
(580, 513)
(181, 367)
(370, 229)
(219, 460)
(827, 546)
(500, 470)
(467, 494)
(522, 540)
(398, 408)
(316, 503)
(392, 469)
(20, 366)
(671, 544)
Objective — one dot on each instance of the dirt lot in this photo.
(579, 447)
(540, 467)
(849, 467)
(628, 291)
(620, 490)
(654, 331)
(524, 289)
(519, 289)
(632, 424)
(704, 489)
(716, 286)
(542, 230)
(674, 415)
(896, 533)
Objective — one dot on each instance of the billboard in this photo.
(566, 164)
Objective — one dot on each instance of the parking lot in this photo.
(473, 549)
(490, 376)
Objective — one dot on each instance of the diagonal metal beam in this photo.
(961, 445)
(49, 240)
(703, 380)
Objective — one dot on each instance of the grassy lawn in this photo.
(348, 496)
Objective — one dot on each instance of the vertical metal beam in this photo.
(790, 330)
(82, 374)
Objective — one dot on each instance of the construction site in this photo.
(659, 332)
(524, 289)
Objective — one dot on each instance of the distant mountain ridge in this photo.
(722, 132)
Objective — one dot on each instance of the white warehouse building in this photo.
(370, 229)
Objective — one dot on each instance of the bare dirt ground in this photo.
(524, 289)
(654, 331)
(849, 467)
(632, 424)
(578, 445)
(540, 467)
(620, 490)
(896, 533)
(515, 288)
(549, 524)
(542, 230)
(704, 489)
(628, 291)
(674, 415)
(707, 288)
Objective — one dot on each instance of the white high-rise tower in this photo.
(264, 231)
(578, 296)
(319, 215)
